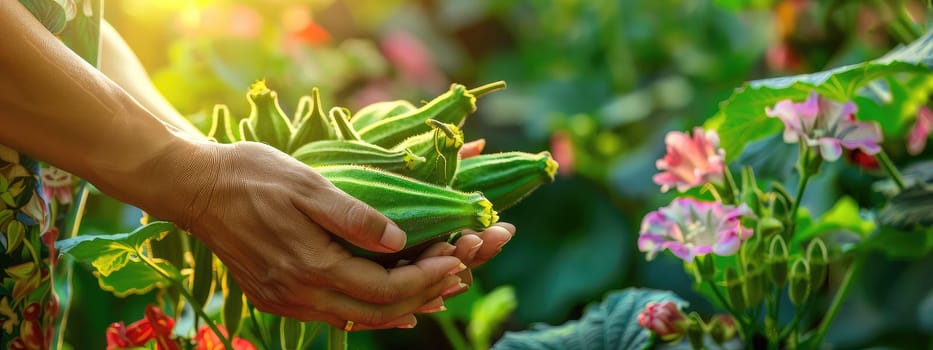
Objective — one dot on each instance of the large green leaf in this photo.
(900, 244)
(910, 208)
(611, 325)
(109, 253)
(741, 118)
(844, 216)
(137, 277)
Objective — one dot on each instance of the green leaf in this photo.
(613, 324)
(843, 216)
(109, 253)
(896, 103)
(909, 208)
(49, 12)
(901, 244)
(741, 118)
(489, 313)
(136, 277)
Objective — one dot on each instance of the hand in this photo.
(473, 249)
(269, 218)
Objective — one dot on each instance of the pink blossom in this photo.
(690, 162)
(562, 149)
(664, 319)
(691, 228)
(413, 60)
(827, 126)
(917, 139)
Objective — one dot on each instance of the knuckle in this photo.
(373, 317)
(383, 293)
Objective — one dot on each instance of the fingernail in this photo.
(449, 250)
(454, 289)
(473, 250)
(393, 238)
(435, 305)
(456, 269)
(408, 323)
(503, 244)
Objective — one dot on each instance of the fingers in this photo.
(467, 247)
(494, 238)
(365, 280)
(472, 148)
(336, 308)
(348, 308)
(353, 220)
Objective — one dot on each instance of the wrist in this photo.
(165, 178)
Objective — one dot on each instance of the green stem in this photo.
(802, 166)
(906, 22)
(453, 335)
(771, 320)
(733, 188)
(485, 89)
(252, 317)
(744, 325)
(837, 300)
(198, 309)
(336, 339)
(889, 168)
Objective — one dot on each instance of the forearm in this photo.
(121, 65)
(57, 108)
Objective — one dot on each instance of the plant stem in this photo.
(733, 188)
(198, 309)
(252, 317)
(336, 339)
(889, 168)
(744, 325)
(453, 335)
(802, 167)
(837, 300)
(771, 320)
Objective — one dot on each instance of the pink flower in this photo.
(827, 125)
(690, 228)
(562, 149)
(917, 139)
(664, 319)
(690, 162)
(413, 60)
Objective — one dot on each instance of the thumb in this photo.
(355, 221)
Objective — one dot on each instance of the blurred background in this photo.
(596, 82)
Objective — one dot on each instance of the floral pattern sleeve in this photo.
(34, 199)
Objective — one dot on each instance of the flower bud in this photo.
(695, 331)
(734, 288)
(705, 267)
(768, 226)
(777, 260)
(664, 319)
(817, 258)
(754, 287)
(799, 280)
(721, 328)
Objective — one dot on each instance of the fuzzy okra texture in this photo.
(399, 158)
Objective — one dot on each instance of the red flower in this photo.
(155, 325)
(312, 34)
(206, 339)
